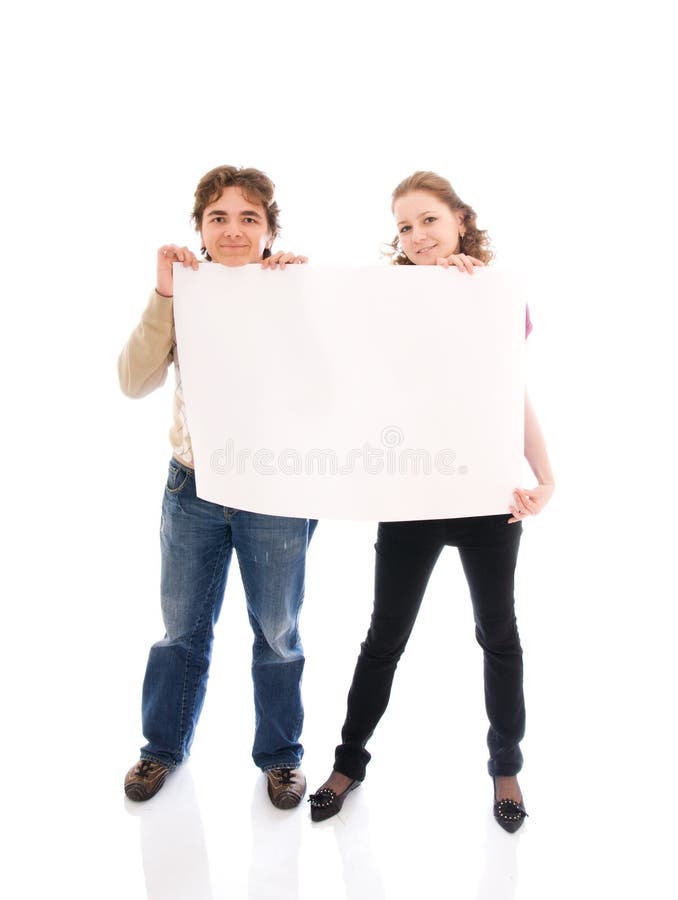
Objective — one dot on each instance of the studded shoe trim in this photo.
(510, 811)
(322, 798)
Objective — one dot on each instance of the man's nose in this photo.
(232, 228)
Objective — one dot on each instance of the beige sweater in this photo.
(143, 365)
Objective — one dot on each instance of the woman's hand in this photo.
(530, 502)
(167, 255)
(463, 262)
(282, 259)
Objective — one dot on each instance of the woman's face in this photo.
(234, 230)
(427, 227)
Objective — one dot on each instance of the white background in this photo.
(555, 122)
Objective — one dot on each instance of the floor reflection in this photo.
(275, 848)
(498, 877)
(174, 853)
(359, 866)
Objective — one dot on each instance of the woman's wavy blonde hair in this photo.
(474, 241)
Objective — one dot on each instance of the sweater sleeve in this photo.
(145, 358)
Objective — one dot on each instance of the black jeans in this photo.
(406, 555)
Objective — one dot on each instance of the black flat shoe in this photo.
(325, 803)
(509, 814)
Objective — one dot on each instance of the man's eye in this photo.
(250, 220)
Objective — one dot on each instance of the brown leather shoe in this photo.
(286, 787)
(145, 779)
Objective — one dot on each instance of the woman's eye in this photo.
(404, 229)
(429, 219)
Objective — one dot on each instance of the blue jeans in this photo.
(197, 540)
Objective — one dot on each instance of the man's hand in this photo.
(168, 255)
(281, 260)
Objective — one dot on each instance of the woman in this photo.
(436, 228)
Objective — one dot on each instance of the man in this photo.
(237, 219)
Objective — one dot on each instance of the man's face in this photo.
(234, 230)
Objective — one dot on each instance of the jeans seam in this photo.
(190, 654)
(281, 765)
(173, 491)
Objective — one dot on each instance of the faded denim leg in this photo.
(271, 554)
(196, 551)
